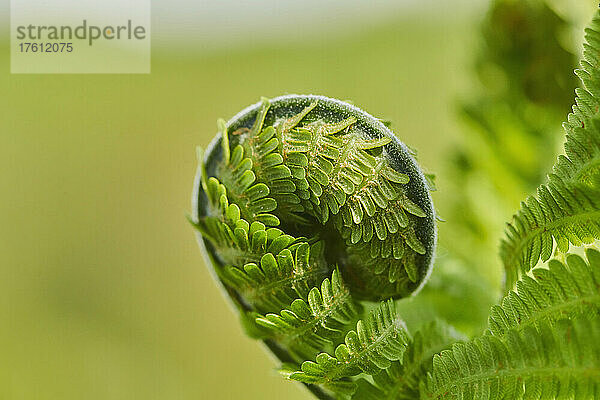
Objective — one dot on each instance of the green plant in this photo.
(318, 222)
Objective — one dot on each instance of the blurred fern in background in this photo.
(511, 135)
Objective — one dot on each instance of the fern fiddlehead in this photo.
(308, 206)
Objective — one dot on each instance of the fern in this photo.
(402, 379)
(377, 341)
(544, 363)
(275, 281)
(566, 210)
(561, 291)
(343, 174)
(306, 327)
(347, 184)
(518, 331)
(292, 188)
(533, 348)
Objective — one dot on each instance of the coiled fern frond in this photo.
(308, 206)
(321, 170)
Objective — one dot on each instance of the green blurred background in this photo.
(104, 292)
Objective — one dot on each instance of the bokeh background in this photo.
(103, 291)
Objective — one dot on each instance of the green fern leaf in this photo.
(377, 341)
(559, 291)
(275, 268)
(550, 362)
(401, 380)
(345, 180)
(237, 241)
(566, 210)
(307, 327)
(276, 280)
(257, 179)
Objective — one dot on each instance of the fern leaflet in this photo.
(402, 379)
(307, 327)
(562, 361)
(560, 291)
(566, 210)
(377, 341)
